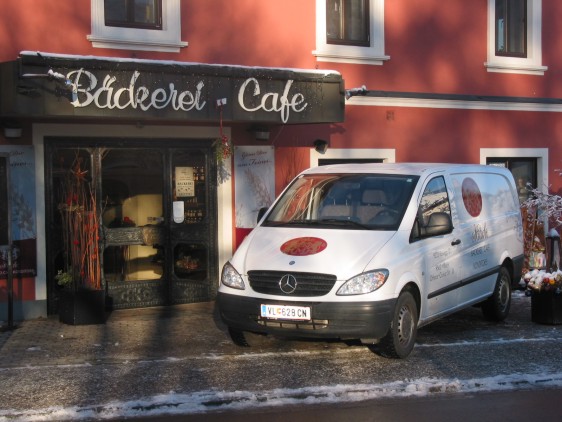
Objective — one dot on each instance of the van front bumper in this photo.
(342, 320)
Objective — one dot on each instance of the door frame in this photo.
(40, 131)
(169, 288)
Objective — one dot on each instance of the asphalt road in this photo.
(148, 363)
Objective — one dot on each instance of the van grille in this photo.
(313, 324)
(308, 284)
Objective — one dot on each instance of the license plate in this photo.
(286, 312)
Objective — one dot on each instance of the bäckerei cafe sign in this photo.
(54, 85)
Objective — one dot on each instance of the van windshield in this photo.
(344, 201)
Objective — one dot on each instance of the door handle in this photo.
(456, 242)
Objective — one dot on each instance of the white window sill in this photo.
(167, 47)
(513, 68)
(344, 58)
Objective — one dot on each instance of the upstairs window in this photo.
(133, 13)
(347, 22)
(511, 28)
(350, 31)
(149, 25)
(515, 37)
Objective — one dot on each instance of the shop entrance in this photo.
(158, 224)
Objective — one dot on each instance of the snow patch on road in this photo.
(210, 400)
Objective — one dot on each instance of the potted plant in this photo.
(82, 298)
(545, 289)
(544, 282)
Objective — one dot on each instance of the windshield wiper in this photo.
(322, 222)
(338, 222)
(290, 223)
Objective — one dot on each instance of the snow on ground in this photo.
(211, 400)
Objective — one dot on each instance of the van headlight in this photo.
(363, 283)
(231, 278)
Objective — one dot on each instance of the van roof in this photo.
(404, 168)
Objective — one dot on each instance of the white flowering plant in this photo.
(541, 280)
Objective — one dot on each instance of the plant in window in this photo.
(543, 206)
(80, 231)
(549, 206)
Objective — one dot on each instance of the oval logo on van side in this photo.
(303, 246)
(471, 197)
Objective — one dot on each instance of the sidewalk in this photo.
(135, 334)
(181, 331)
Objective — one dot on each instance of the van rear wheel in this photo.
(401, 337)
(496, 307)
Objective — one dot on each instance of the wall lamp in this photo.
(65, 89)
(320, 146)
(261, 133)
(355, 91)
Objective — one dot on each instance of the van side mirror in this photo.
(439, 223)
(261, 213)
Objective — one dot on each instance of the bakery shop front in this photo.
(153, 142)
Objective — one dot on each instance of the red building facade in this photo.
(145, 98)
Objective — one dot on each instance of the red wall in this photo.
(434, 47)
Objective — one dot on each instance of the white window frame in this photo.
(373, 55)
(166, 40)
(387, 155)
(530, 65)
(540, 154)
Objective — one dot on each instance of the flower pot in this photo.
(546, 307)
(82, 307)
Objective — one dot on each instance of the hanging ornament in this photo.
(223, 146)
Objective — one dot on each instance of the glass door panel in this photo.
(190, 261)
(192, 230)
(133, 223)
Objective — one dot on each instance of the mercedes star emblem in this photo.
(288, 284)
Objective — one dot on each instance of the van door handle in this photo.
(456, 242)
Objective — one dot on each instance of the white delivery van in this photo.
(375, 251)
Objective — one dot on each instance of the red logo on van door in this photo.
(471, 197)
(303, 246)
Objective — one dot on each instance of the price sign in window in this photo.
(185, 185)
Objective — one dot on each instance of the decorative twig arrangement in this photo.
(80, 229)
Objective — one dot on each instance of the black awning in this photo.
(51, 85)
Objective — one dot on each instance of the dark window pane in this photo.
(511, 28)
(133, 13)
(347, 22)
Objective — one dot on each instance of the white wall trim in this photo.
(40, 131)
(452, 104)
(387, 155)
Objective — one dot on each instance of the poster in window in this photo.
(254, 168)
(4, 241)
(21, 188)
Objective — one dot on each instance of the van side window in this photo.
(434, 202)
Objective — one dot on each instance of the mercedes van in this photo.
(374, 251)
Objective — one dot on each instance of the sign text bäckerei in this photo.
(251, 97)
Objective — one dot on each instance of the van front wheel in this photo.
(496, 307)
(400, 339)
